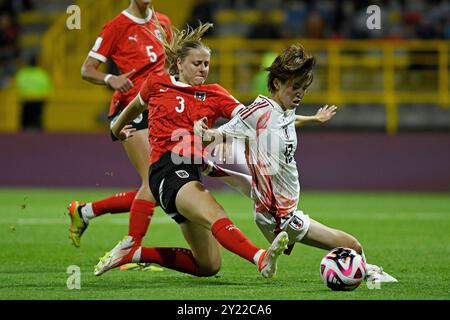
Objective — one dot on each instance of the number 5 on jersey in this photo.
(151, 54)
(180, 107)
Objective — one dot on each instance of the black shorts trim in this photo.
(167, 178)
(140, 123)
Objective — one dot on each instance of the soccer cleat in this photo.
(141, 266)
(267, 264)
(77, 224)
(376, 274)
(121, 254)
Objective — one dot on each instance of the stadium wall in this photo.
(327, 161)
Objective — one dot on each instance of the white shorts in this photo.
(296, 224)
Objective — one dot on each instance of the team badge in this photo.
(200, 95)
(158, 35)
(296, 223)
(182, 174)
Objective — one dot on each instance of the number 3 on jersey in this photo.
(151, 54)
(180, 107)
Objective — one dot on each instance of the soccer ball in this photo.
(342, 269)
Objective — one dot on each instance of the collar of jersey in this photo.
(136, 19)
(179, 83)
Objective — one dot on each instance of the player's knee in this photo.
(348, 241)
(355, 245)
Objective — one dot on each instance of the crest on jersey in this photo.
(158, 34)
(296, 223)
(200, 95)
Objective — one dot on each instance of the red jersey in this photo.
(131, 43)
(174, 106)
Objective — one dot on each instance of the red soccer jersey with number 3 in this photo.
(174, 106)
(131, 43)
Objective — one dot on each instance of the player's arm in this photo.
(322, 115)
(90, 73)
(120, 128)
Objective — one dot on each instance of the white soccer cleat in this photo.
(117, 256)
(267, 265)
(376, 274)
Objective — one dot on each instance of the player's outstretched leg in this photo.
(267, 264)
(207, 212)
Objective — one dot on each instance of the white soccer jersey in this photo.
(271, 141)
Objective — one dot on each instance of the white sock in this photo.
(257, 256)
(87, 213)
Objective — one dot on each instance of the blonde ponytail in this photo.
(181, 43)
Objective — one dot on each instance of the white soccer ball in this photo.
(342, 269)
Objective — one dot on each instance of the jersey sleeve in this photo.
(227, 105)
(237, 128)
(248, 121)
(105, 45)
(145, 92)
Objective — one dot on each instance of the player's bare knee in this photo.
(359, 247)
(355, 245)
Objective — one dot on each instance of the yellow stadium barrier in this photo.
(386, 72)
(348, 71)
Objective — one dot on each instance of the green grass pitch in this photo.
(406, 233)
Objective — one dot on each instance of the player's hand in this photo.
(200, 127)
(325, 113)
(126, 133)
(121, 83)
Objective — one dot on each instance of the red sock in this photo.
(140, 215)
(232, 239)
(120, 202)
(177, 259)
